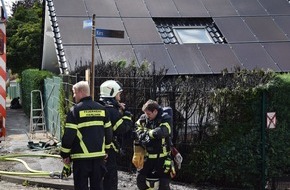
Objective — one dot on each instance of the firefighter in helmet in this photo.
(121, 119)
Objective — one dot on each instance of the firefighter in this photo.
(121, 119)
(153, 134)
(87, 134)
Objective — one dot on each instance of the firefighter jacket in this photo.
(159, 131)
(87, 132)
(121, 121)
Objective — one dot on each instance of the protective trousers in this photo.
(155, 166)
(88, 171)
(111, 177)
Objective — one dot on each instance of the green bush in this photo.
(232, 158)
(32, 79)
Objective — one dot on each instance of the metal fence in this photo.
(51, 105)
(137, 90)
(190, 128)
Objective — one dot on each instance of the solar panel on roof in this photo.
(235, 30)
(265, 29)
(283, 23)
(249, 7)
(189, 8)
(162, 8)
(276, 7)
(219, 57)
(105, 8)
(254, 56)
(117, 53)
(73, 8)
(219, 8)
(80, 56)
(188, 59)
(142, 31)
(129, 8)
(156, 54)
(279, 52)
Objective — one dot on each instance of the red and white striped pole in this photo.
(2, 78)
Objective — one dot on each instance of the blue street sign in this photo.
(109, 33)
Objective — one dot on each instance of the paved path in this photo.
(16, 141)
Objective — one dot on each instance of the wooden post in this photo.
(92, 83)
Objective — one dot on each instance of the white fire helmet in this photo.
(110, 88)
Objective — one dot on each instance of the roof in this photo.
(249, 34)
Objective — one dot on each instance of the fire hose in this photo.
(32, 172)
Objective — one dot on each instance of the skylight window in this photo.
(188, 31)
(189, 35)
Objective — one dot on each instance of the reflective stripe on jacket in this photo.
(159, 131)
(121, 124)
(87, 131)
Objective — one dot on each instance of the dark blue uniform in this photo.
(157, 148)
(87, 134)
(121, 124)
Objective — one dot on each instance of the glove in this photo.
(169, 167)
(172, 171)
(144, 138)
(138, 156)
(66, 171)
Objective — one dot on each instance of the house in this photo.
(185, 36)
